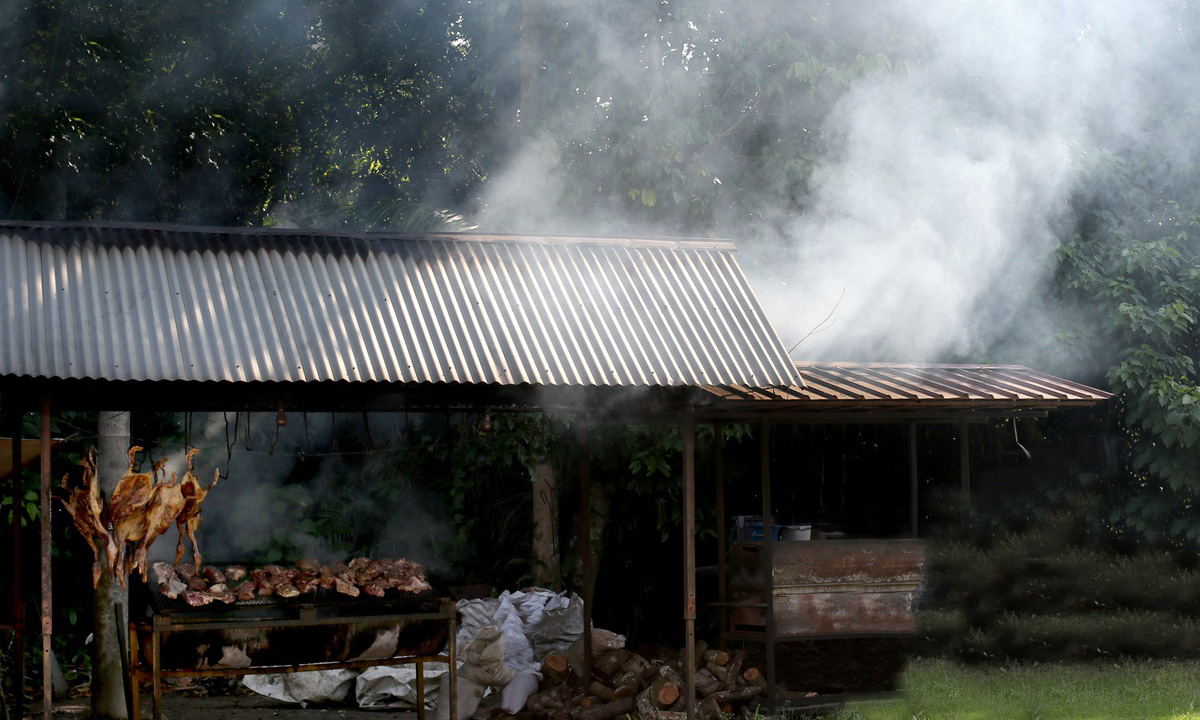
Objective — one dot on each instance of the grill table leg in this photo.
(156, 666)
(135, 704)
(420, 690)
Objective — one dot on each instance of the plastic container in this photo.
(750, 528)
(795, 532)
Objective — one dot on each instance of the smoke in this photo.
(307, 489)
(926, 230)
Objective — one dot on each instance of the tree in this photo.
(1130, 282)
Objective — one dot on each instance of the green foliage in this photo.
(1129, 275)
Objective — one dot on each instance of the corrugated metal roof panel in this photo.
(136, 302)
(903, 387)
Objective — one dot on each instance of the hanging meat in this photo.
(189, 517)
(166, 503)
(86, 508)
(141, 507)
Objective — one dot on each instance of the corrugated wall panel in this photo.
(160, 303)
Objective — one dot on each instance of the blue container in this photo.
(749, 528)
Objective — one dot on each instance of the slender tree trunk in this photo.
(546, 562)
(108, 686)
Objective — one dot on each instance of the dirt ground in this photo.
(241, 705)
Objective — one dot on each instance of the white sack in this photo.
(315, 686)
(469, 695)
(396, 686)
(517, 692)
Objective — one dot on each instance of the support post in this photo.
(768, 561)
(18, 600)
(585, 543)
(964, 468)
(913, 481)
(689, 556)
(47, 624)
(719, 470)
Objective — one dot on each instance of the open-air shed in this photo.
(112, 316)
(115, 316)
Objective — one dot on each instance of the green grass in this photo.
(935, 689)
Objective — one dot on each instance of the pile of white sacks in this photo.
(501, 643)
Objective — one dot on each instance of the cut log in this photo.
(608, 711)
(707, 683)
(626, 684)
(720, 672)
(754, 676)
(739, 695)
(701, 649)
(708, 709)
(555, 668)
(719, 657)
(609, 663)
(601, 691)
(669, 673)
(636, 664)
(663, 693)
(647, 711)
(735, 669)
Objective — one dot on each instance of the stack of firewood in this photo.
(626, 683)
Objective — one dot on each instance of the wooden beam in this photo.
(689, 557)
(47, 622)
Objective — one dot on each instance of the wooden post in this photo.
(18, 600)
(47, 622)
(585, 543)
(689, 557)
(913, 481)
(719, 468)
(768, 562)
(964, 468)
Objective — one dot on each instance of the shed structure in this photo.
(817, 606)
(102, 316)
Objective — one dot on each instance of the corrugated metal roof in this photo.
(905, 387)
(136, 302)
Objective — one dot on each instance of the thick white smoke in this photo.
(929, 227)
(935, 225)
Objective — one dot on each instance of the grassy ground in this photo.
(1122, 690)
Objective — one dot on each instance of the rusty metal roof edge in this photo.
(669, 242)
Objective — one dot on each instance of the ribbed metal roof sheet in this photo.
(911, 386)
(136, 302)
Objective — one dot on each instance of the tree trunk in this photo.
(546, 562)
(108, 681)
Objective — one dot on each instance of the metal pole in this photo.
(47, 624)
(689, 556)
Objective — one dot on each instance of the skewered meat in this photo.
(189, 517)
